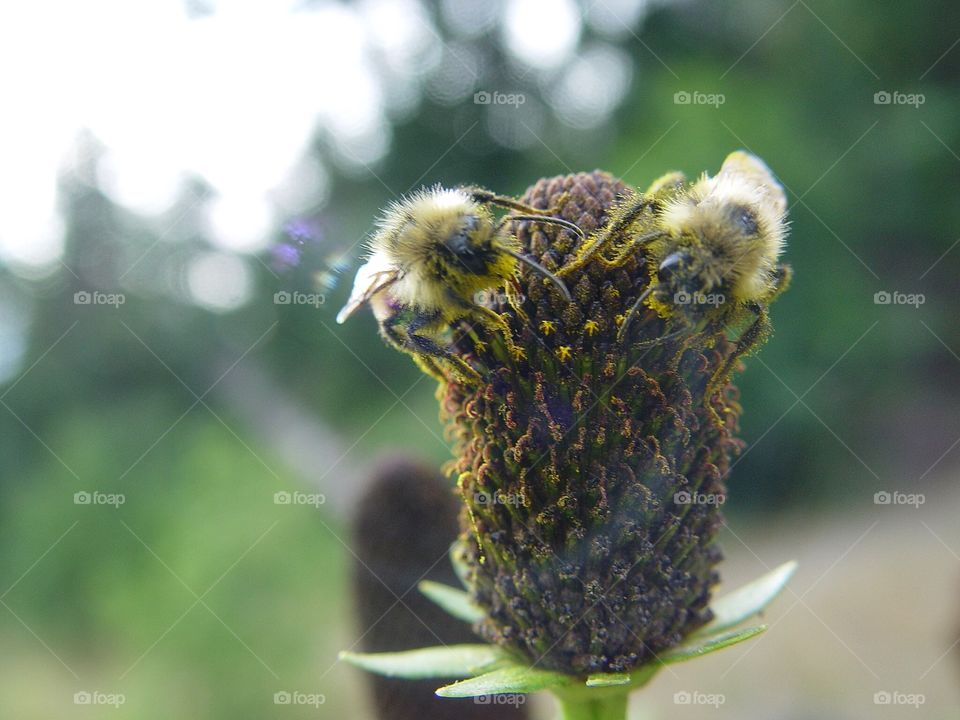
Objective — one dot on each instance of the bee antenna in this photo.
(631, 313)
(542, 270)
(550, 220)
(664, 338)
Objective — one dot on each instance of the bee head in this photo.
(732, 229)
(679, 282)
(467, 248)
(442, 236)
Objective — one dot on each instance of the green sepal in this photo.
(511, 679)
(708, 645)
(452, 661)
(747, 601)
(457, 559)
(454, 601)
(607, 680)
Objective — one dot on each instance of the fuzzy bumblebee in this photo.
(712, 250)
(432, 262)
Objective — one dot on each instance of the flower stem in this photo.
(605, 707)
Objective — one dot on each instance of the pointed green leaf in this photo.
(607, 679)
(452, 661)
(709, 645)
(456, 602)
(747, 601)
(458, 562)
(510, 679)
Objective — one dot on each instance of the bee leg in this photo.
(516, 299)
(667, 184)
(492, 321)
(631, 247)
(781, 281)
(601, 239)
(425, 351)
(749, 340)
(399, 342)
(755, 333)
(486, 197)
(495, 321)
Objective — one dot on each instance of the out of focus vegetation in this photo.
(202, 597)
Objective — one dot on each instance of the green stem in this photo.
(611, 706)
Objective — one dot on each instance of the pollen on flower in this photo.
(600, 568)
(548, 327)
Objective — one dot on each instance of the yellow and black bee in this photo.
(712, 249)
(432, 261)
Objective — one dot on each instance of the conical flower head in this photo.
(591, 466)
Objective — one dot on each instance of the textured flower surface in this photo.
(591, 448)
(591, 467)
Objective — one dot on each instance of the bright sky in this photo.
(235, 97)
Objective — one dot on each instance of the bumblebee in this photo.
(712, 250)
(433, 261)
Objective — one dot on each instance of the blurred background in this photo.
(187, 186)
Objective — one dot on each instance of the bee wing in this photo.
(755, 172)
(373, 276)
